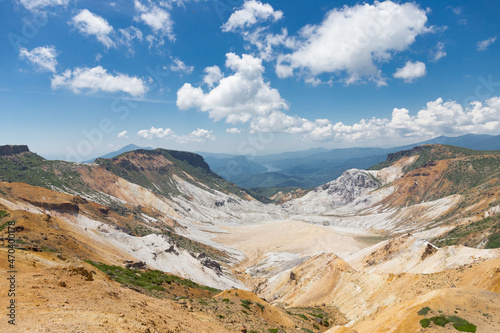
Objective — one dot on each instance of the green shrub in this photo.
(425, 322)
(440, 320)
(424, 311)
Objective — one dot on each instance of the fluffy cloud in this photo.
(179, 66)
(97, 78)
(154, 132)
(233, 130)
(44, 57)
(238, 97)
(251, 12)
(438, 118)
(158, 19)
(199, 135)
(483, 45)
(411, 71)
(212, 76)
(39, 4)
(122, 135)
(89, 23)
(354, 40)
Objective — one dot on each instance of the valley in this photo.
(155, 241)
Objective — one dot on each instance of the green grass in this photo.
(3, 213)
(149, 280)
(262, 307)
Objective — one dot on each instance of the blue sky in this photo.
(82, 78)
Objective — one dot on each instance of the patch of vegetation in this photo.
(307, 330)
(273, 330)
(425, 322)
(33, 169)
(489, 225)
(244, 312)
(440, 320)
(270, 191)
(3, 213)
(245, 303)
(4, 225)
(226, 300)
(302, 316)
(462, 325)
(48, 249)
(148, 280)
(196, 247)
(459, 324)
(424, 311)
(262, 307)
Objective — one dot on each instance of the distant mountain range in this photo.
(312, 167)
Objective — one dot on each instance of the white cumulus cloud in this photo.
(251, 13)
(154, 132)
(237, 98)
(213, 75)
(485, 44)
(44, 57)
(233, 130)
(91, 24)
(157, 18)
(354, 41)
(437, 118)
(199, 135)
(98, 79)
(411, 71)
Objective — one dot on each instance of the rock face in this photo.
(410, 152)
(9, 150)
(348, 187)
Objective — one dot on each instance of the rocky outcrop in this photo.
(410, 152)
(9, 150)
(348, 187)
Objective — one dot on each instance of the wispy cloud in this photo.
(43, 57)
(485, 44)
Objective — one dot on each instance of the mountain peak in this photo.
(9, 150)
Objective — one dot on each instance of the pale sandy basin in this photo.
(295, 237)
